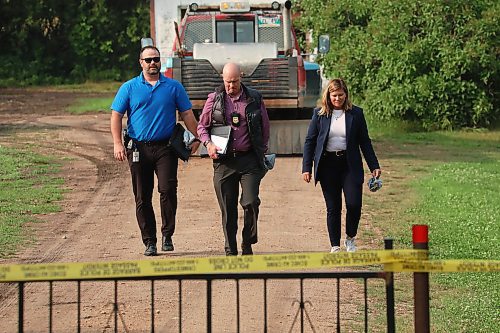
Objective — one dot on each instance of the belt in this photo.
(236, 153)
(153, 143)
(337, 153)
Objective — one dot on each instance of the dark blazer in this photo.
(357, 138)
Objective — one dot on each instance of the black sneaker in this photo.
(246, 249)
(166, 244)
(150, 250)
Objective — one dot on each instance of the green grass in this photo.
(91, 87)
(448, 180)
(84, 105)
(460, 203)
(93, 104)
(87, 87)
(28, 186)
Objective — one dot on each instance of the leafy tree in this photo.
(436, 62)
(106, 36)
(55, 41)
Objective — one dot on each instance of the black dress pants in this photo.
(229, 174)
(334, 178)
(160, 159)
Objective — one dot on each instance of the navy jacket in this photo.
(357, 138)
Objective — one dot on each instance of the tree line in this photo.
(57, 41)
(433, 62)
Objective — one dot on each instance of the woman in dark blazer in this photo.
(336, 135)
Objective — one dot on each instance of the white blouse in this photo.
(337, 135)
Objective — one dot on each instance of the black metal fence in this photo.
(301, 313)
(225, 303)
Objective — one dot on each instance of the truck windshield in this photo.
(235, 31)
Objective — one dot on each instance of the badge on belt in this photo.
(235, 119)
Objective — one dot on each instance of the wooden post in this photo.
(421, 283)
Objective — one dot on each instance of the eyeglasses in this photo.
(148, 60)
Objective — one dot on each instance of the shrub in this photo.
(431, 61)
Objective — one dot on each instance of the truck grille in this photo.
(273, 78)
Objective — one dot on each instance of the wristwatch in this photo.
(206, 143)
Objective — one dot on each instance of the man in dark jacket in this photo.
(241, 108)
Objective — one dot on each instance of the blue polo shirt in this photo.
(151, 110)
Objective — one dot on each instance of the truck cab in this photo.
(197, 39)
(260, 38)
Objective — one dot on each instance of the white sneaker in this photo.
(335, 249)
(350, 244)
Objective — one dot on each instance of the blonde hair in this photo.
(326, 104)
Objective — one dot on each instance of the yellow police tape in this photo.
(393, 261)
(444, 266)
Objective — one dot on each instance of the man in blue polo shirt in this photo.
(150, 101)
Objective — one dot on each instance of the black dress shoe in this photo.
(166, 244)
(231, 252)
(246, 249)
(150, 250)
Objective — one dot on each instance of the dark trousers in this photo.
(229, 173)
(334, 179)
(154, 158)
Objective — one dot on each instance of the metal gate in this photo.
(225, 306)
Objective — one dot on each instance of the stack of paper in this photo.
(220, 137)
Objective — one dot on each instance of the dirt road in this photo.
(97, 223)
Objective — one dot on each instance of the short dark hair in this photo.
(148, 47)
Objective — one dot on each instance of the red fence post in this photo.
(421, 282)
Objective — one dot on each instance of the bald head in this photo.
(231, 74)
(231, 69)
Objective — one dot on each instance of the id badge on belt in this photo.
(135, 156)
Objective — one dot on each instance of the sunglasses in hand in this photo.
(148, 60)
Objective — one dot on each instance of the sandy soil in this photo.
(97, 223)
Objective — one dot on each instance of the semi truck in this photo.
(259, 36)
